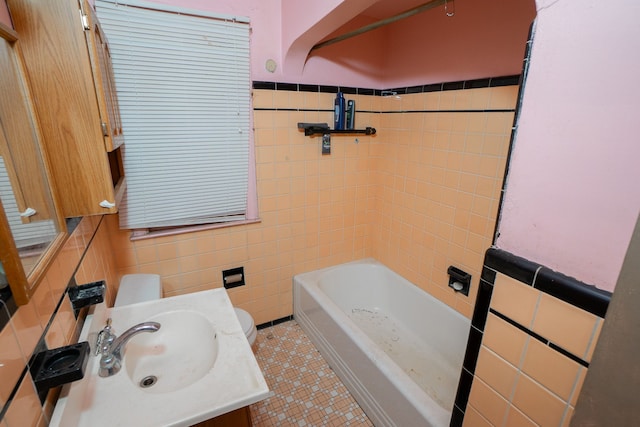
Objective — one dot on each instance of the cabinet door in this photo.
(104, 80)
(63, 83)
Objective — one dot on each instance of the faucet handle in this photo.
(104, 351)
(105, 338)
(107, 327)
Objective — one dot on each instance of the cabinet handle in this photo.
(107, 204)
(28, 212)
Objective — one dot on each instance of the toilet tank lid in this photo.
(136, 288)
(141, 280)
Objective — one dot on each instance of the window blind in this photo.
(183, 85)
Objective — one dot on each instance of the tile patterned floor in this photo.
(306, 391)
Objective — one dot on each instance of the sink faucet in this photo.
(112, 347)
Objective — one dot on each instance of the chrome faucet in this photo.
(112, 347)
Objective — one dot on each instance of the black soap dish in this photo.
(58, 366)
(459, 281)
(87, 294)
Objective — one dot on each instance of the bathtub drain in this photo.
(148, 381)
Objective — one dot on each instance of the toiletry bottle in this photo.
(350, 117)
(339, 111)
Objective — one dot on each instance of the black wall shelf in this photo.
(311, 129)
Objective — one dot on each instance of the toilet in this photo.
(135, 288)
(248, 326)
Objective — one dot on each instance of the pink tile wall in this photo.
(438, 179)
(519, 379)
(314, 213)
(420, 195)
(19, 338)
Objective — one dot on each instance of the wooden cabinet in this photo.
(69, 71)
(238, 418)
(31, 226)
(103, 78)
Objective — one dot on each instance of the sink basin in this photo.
(180, 353)
(197, 366)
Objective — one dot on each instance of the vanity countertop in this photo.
(234, 381)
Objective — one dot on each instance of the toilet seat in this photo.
(247, 324)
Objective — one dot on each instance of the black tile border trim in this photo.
(513, 266)
(275, 322)
(483, 301)
(540, 338)
(480, 110)
(462, 395)
(513, 80)
(514, 126)
(12, 395)
(565, 288)
(474, 342)
(497, 110)
(457, 417)
(572, 291)
(41, 345)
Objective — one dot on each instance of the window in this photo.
(183, 84)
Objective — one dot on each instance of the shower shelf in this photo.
(311, 129)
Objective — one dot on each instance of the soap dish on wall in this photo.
(58, 366)
(87, 294)
(459, 281)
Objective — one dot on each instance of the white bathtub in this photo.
(398, 350)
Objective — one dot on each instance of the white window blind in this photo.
(183, 84)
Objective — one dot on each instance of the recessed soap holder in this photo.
(459, 280)
(87, 294)
(58, 366)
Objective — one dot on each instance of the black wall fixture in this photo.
(459, 280)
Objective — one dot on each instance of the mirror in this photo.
(30, 224)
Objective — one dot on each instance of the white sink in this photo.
(179, 354)
(197, 366)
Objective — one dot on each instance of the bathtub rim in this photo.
(419, 399)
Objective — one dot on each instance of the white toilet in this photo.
(248, 326)
(136, 288)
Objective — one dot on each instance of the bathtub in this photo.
(396, 348)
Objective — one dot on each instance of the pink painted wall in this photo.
(284, 30)
(572, 195)
(5, 18)
(302, 29)
(266, 24)
(357, 61)
(483, 39)
(573, 192)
